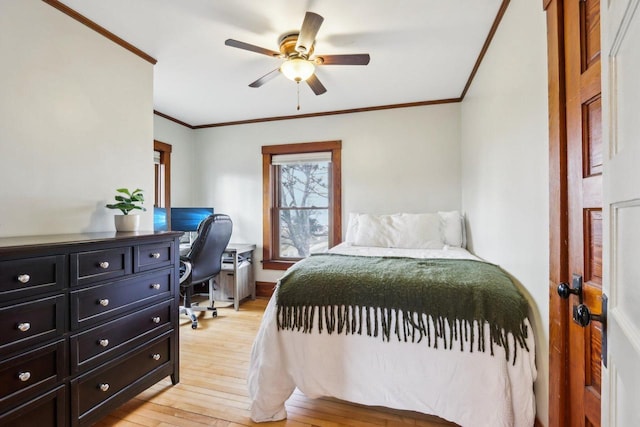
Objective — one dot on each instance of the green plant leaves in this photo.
(129, 202)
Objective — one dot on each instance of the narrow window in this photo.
(301, 201)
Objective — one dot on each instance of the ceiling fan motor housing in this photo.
(288, 43)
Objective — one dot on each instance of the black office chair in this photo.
(204, 262)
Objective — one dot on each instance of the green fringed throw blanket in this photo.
(411, 298)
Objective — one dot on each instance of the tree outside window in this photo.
(303, 207)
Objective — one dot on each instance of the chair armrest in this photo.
(187, 270)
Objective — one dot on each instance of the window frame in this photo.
(269, 201)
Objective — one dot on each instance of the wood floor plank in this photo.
(214, 363)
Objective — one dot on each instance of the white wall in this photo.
(183, 154)
(505, 165)
(394, 160)
(75, 123)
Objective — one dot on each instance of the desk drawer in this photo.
(28, 374)
(157, 255)
(96, 266)
(28, 323)
(31, 276)
(91, 347)
(94, 388)
(96, 304)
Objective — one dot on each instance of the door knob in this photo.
(583, 317)
(564, 290)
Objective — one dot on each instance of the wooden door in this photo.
(576, 244)
(621, 92)
(584, 169)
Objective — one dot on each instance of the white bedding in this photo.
(468, 388)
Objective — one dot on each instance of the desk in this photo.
(235, 281)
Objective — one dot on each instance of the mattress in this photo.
(470, 388)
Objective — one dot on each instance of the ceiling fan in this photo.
(297, 51)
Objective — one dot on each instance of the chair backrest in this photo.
(206, 252)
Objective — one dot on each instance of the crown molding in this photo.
(485, 46)
(101, 30)
(330, 113)
(309, 115)
(173, 119)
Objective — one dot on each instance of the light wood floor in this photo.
(212, 391)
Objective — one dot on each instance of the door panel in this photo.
(589, 32)
(621, 272)
(592, 117)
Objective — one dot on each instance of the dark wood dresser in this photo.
(87, 321)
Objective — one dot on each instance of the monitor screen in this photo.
(188, 219)
(160, 219)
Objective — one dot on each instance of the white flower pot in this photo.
(127, 222)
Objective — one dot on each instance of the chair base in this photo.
(191, 312)
(189, 308)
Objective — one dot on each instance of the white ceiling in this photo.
(421, 50)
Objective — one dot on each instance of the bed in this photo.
(457, 351)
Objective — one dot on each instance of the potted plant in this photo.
(126, 202)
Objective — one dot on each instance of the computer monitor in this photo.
(160, 219)
(188, 219)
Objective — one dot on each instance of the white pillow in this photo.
(352, 228)
(452, 227)
(373, 230)
(418, 231)
(408, 231)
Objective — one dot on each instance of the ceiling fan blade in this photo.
(308, 32)
(267, 77)
(315, 85)
(354, 59)
(251, 47)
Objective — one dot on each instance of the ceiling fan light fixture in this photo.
(297, 69)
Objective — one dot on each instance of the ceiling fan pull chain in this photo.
(298, 87)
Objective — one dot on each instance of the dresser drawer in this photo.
(95, 304)
(147, 257)
(26, 324)
(48, 410)
(28, 374)
(31, 276)
(91, 347)
(96, 266)
(99, 387)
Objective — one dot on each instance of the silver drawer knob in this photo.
(156, 356)
(156, 319)
(24, 327)
(155, 286)
(24, 278)
(155, 255)
(104, 302)
(24, 376)
(103, 342)
(104, 386)
(104, 264)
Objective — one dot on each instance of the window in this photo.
(302, 203)
(162, 193)
(162, 166)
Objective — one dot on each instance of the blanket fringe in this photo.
(407, 326)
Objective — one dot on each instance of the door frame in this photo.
(558, 215)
